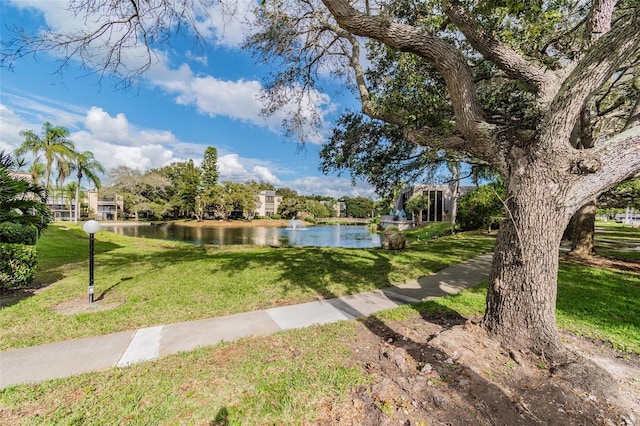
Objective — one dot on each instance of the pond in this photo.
(348, 236)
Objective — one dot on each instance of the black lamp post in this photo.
(91, 227)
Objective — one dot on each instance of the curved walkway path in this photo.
(67, 358)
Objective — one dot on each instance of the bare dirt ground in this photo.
(445, 371)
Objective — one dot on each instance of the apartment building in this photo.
(267, 203)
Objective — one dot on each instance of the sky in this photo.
(188, 100)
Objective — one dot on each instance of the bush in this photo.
(276, 216)
(15, 233)
(391, 230)
(17, 265)
(481, 208)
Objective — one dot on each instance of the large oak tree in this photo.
(508, 83)
(504, 82)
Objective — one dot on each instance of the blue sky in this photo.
(188, 100)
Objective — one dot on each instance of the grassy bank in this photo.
(150, 282)
(592, 302)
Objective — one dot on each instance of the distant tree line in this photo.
(184, 190)
(178, 190)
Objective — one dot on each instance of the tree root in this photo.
(584, 374)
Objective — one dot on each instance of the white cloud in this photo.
(143, 149)
(113, 140)
(39, 109)
(226, 22)
(238, 169)
(230, 168)
(204, 60)
(11, 125)
(238, 100)
(264, 174)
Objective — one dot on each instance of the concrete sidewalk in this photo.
(63, 359)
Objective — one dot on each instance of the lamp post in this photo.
(91, 227)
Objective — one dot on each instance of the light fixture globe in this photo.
(91, 226)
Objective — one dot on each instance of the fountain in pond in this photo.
(296, 225)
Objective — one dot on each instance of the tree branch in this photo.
(503, 56)
(599, 19)
(601, 167)
(634, 117)
(589, 74)
(448, 61)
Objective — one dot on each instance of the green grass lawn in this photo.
(280, 379)
(428, 231)
(617, 240)
(285, 378)
(160, 282)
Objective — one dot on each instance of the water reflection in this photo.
(318, 236)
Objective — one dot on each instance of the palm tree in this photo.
(85, 164)
(21, 201)
(53, 144)
(70, 191)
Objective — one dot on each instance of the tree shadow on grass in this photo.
(221, 419)
(291, 275)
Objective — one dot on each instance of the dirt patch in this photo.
(82, 305)
(447, 373)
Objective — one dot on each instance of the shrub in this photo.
(17, 265)
(276, 216)
(391, 230)
(15, 233)
(480, 208)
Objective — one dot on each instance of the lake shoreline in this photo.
(256, 223)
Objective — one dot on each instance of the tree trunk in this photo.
(522, 292)
(454, 203)
(583, 229)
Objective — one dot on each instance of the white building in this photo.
(105, 208)
(267, 203)
(440, 205)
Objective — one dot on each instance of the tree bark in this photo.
(583, 231)
(520, 309)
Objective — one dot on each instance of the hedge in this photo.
(17, 265)
(15, 233)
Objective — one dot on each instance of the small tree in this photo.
(417, 204)
(290, 207)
